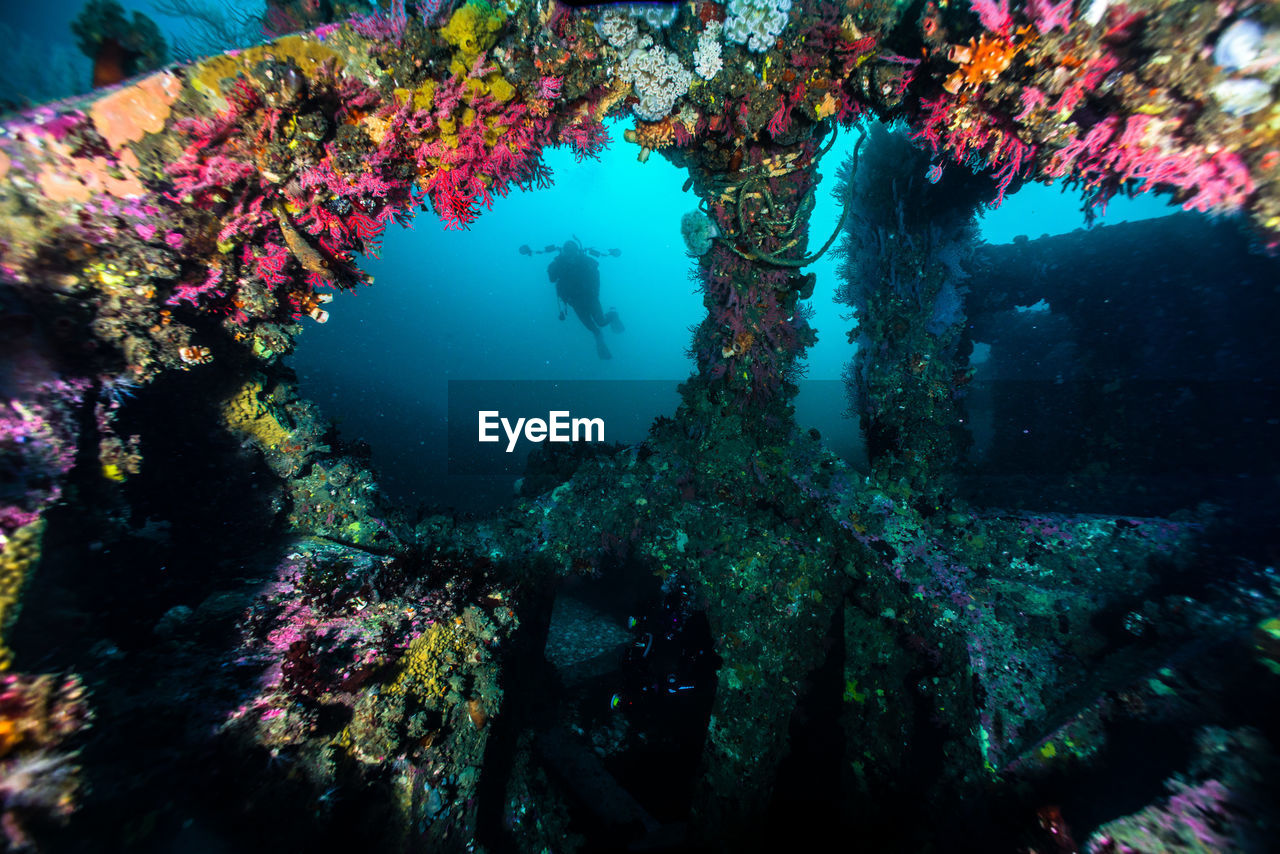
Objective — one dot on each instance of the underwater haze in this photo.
(466, 305)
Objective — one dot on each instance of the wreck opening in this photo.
(467, 305)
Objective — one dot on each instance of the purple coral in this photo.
(1049, 16)
(994, 14)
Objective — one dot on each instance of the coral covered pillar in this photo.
(751, 343)
(909, 233)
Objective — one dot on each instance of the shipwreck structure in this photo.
(277, 656)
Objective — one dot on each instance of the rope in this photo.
(758, 253)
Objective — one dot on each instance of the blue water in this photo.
(463, 305)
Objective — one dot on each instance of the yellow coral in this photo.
(20, 554)
(429, 662)
(424, 95)
(500, 89)
(494, 85)
(247, 414)
(309, 54)
(472, 30)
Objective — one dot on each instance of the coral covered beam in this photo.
(242, 187)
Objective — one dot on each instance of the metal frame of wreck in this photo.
(199, 213)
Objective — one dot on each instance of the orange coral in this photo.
(195, 355)
(126, 115)
(741, 343)
(309, 304)
(479, 717)
(10, 735)
(827, 107)
(88, 175)
(982, 60)
(654, 135)
(38, 712)
(59, 186)
(651, 136)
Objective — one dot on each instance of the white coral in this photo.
(657, 15)
(706, 58)
(659, 79)
(657, 76)
(617, 28)
(756, 23)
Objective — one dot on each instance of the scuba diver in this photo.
(576, 275)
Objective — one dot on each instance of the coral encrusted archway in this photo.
(196, 219)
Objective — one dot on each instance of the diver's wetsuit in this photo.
(577, 279)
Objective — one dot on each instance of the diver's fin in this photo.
(615, 323)
(601, 350)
